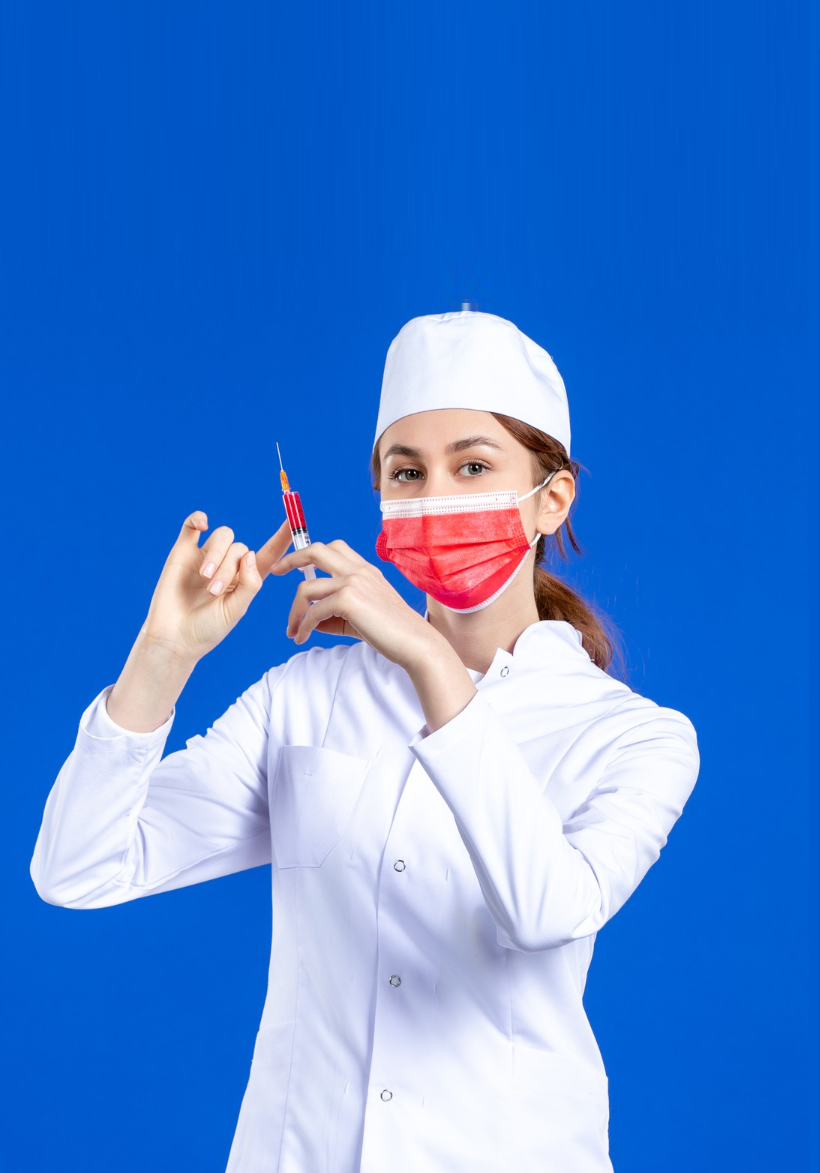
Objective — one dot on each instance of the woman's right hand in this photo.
(190, 612)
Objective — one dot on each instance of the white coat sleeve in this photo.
(121, 821)
(544, 882)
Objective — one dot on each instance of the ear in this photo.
(554, 501)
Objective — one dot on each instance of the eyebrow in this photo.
(456, 446)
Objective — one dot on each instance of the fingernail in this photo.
(251, 559)
(216, 587)
(208, 569)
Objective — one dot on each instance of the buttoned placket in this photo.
(387, 1041)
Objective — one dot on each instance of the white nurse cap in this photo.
(471, 359)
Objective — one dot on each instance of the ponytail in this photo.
(555, 600)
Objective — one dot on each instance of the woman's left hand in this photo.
(356, 600)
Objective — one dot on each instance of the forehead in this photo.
(434, 430)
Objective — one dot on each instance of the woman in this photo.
(453, 806)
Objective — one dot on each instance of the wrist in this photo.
(443, 684)
(156, 649)
(150, 683)
(432, 654)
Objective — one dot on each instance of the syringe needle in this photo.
(283, 476)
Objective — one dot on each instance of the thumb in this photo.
(249, 582)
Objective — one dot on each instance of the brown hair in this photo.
(554, 599)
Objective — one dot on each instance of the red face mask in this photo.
(463, 550)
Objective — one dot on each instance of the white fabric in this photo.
(436, 896)
(470, 359)
(458, 503)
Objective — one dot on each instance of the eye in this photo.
(475, 464)
(396, 475)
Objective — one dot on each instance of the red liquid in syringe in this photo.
(296, 517)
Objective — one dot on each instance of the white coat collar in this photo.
(537, 645)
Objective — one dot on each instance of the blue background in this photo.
(213, 220)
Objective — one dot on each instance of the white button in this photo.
(399, 865)
(505, 670)
(395, 980)
(386, 1095)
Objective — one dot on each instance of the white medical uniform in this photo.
(436, 896)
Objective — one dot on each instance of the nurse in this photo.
(452, 807)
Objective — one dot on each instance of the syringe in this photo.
(296, 517)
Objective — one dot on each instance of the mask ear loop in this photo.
(537, 487)
(535, 490)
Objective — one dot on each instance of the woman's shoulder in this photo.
(319, 662)
(635, 728)
(623, 700)
(322, 667)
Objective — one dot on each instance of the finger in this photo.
(308, 592)
(215, 549)
(332, 561)
(347, 551)
(227, 569)
(335, 604)
(273, 548)
(192, 527)
(250, 580)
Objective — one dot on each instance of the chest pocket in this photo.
(315, 791)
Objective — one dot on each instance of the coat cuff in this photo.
(98, 725)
